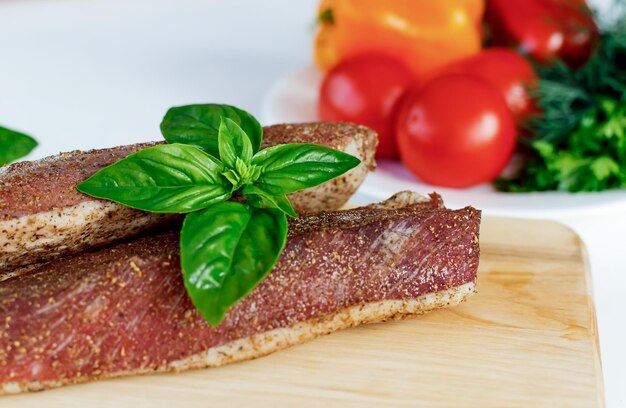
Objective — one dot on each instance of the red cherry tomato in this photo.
(545, 29)
(365, 90)
(456, 131)
(508, 72)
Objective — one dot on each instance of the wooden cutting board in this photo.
(527, 339)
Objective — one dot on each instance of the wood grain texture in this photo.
(528, 338)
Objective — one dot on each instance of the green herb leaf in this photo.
(226, 250)
(233, 144)
(243, 174)
(579, 140)
(603, 167)
(14, 145)
(262, 199)
(198, 125)
(166, 178)
(292, 167)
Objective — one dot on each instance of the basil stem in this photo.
(198, 125)
(226, 250)
(166, 178)
(14, 145)
(292, 167)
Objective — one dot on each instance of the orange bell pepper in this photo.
(425, 34)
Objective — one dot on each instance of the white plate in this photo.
(293, 98)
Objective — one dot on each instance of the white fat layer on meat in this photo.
(68, 220)
(84, 225)
(264, 343)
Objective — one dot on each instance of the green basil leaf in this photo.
(233, 177)
(171, 178)
(233, 144)
(293, 167)
(14, 145)
(226, 250)
(264, 200)
(198, 125)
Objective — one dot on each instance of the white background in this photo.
(84, 74)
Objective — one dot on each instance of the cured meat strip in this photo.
(42, 215)
(124, 310)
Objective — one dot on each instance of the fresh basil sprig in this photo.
(227, 247)
(14, 145)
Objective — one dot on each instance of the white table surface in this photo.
(97, 73)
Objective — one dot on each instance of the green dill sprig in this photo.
(578, 141)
